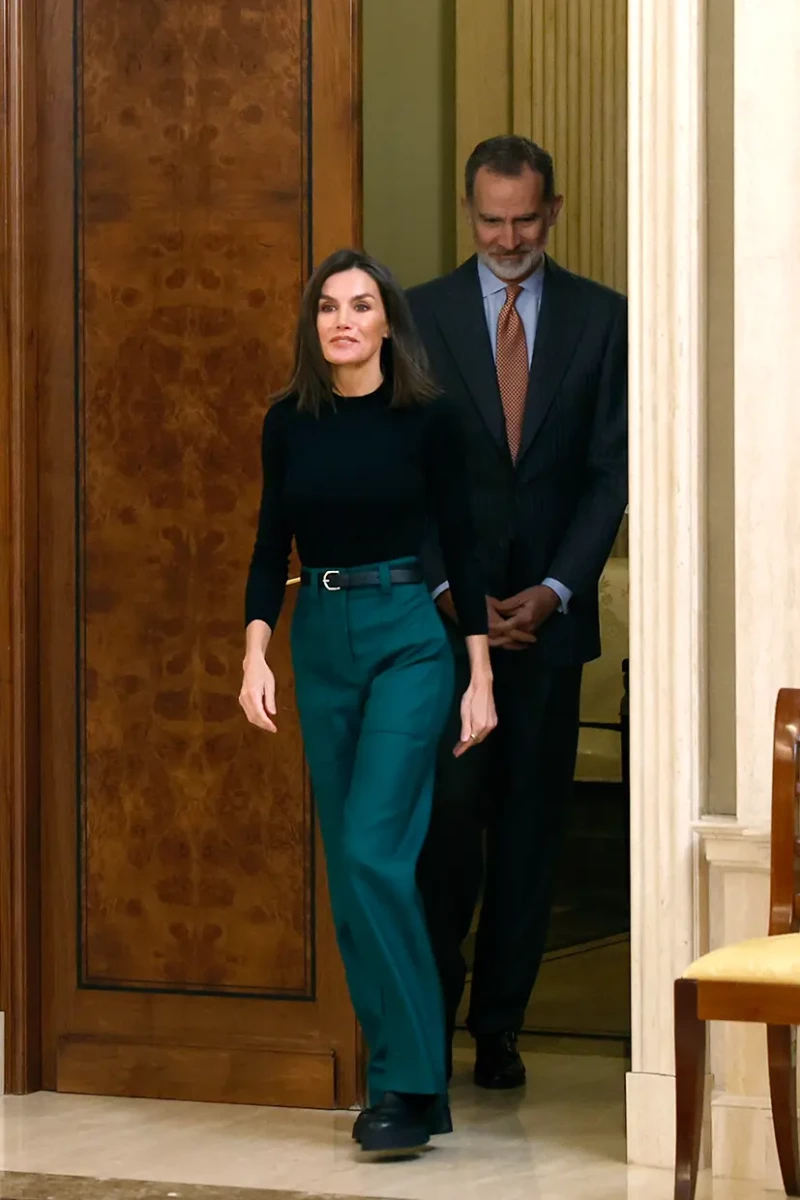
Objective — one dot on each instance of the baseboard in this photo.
(738, 1139)
(743, 1140)
(105, 1065)
(650, 1120)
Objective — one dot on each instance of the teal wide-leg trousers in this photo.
(374, 678)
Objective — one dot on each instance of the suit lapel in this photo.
(562, 317)
(462, 321)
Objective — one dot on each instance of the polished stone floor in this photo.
(562, 1140)
(16, 1186)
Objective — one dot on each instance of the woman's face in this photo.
(351, 319)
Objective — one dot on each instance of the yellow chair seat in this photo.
(759, 960)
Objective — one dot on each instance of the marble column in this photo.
(667, 537)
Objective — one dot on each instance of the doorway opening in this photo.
(437, 78)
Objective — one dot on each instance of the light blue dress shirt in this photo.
(528, 304)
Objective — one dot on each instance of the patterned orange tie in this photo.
(512, 367)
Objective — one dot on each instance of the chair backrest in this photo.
(785, 868)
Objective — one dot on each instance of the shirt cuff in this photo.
(563, 593)
(438, 591)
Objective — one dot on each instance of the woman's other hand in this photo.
(478, 714)
(257, 696)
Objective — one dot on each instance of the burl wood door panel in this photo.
(189, 950)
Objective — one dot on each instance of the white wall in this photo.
(754, 514)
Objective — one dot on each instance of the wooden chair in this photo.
(756, 981)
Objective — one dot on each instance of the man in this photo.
(535, 359)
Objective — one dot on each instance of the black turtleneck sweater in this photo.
(361, 484)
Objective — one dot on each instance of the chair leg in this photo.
(783, 1092)
(690, 1071)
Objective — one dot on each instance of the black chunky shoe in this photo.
(361, 1120)
(395, 1128)
(437, 1118)
(498, 1065)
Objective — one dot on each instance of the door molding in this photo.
(19, 841)
(337, 215)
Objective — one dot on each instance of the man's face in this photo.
(511, 221)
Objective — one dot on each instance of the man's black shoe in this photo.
(498, 1065)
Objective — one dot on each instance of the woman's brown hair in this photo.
(403, 357)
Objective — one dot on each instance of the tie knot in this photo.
(512, 291)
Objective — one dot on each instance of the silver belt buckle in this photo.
(330, 587)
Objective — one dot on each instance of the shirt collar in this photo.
(491, 284)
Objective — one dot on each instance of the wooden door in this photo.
(191, 168)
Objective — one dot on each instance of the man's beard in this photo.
(513, 267)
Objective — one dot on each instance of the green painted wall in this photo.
(721, 562)
(409, 136)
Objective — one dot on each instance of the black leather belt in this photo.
(344, 581)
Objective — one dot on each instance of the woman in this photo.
(358, 459)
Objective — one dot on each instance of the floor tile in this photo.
(562, 1139)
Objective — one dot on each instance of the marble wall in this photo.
(766, 601)
(715, 359)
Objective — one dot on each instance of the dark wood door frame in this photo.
(19, 668)
(336, 95)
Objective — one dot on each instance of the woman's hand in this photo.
(478, 714)
(257, 696)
